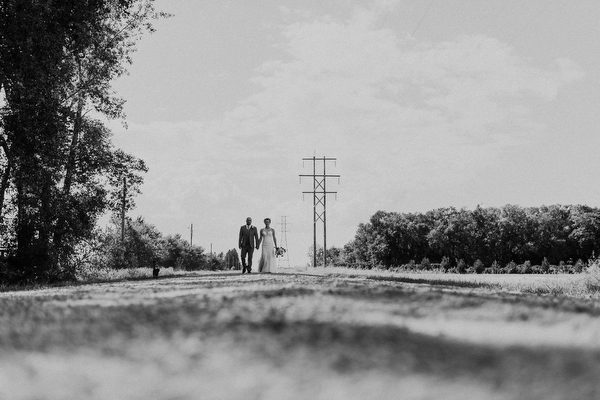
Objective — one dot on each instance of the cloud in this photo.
(403, 118)
(399, 101)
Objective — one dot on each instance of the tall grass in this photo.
(583, 285)
(110, 274)
(95, 275)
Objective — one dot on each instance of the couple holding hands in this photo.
(250, 239)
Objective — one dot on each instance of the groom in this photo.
(248, 241)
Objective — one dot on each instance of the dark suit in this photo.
(248, 241)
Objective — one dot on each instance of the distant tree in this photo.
(496, 267)
(478, 266)
(232, 259)
(215, 262)
(141, 244)
(179, 254)
(511, 268)
(505, 234)
(335, 256)
(319, 256)
(461, 266)
(362, 247)
(445, 264)
(425, 264)
(545, 267)
(525, 268)
(578, 266)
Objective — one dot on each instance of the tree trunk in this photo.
(69, 171)
(5, 176)
(6, 173)
(73, 149)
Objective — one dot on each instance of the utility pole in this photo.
(319, 193)
(191, 235)
(123, 201)
(285, 259)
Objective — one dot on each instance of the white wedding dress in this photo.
(268, 261)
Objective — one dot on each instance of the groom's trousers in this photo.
(249, 251)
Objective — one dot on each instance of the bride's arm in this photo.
(259, 239)
(274, 238)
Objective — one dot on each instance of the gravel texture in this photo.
(296, 335)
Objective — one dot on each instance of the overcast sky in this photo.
(425, 104)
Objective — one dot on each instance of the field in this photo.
(304, 334)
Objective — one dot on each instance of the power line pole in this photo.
(123, 202)
(285, 259)
(123, 206)
(191, 234)
(320, 193)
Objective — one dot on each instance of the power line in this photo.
(422, 18)
(319, 193)
(417, 27)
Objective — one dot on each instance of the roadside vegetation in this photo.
(59, 170)
(109, 256)
(585, 285)
(505, 240)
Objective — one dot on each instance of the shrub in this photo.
(496, 267)
(579, 266)
(592, 277)
(562, 267)
(425, 264)
(478, 266)
(525, 268)
(545, 266)
(445, 264)
(461, 266)
(411, 266)
(511, 268)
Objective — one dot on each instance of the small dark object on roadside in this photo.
(155, 271)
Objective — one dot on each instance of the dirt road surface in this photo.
(295, 335)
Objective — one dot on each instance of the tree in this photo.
(57, 60)
(319, 255)
(179, 254)
(141, 247)
(362, 246)
(232, 259)
(144, 245)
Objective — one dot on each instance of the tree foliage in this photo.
(232, 259)
(481, 237)
(145, 246)
(59, 170)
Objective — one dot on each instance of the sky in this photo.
(424, 104)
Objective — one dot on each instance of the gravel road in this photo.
(295, 335)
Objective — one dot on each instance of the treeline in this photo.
(59, 170)
(144, 246)
(506, 239)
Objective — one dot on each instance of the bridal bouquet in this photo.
(279, 251)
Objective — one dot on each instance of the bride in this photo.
(268, 262)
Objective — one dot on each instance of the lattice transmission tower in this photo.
(284, 261)
(320, 193)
